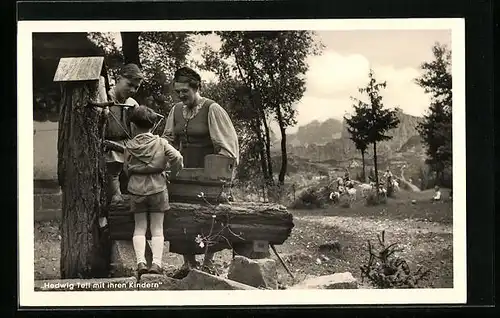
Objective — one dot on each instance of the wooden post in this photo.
(81, 168)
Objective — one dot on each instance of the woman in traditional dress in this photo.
(198, 126)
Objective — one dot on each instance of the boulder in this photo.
(259, 273)
(198, 280)
(334, 281)
(98, 284)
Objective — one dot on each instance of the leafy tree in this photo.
(436, 128)
(357, 127)
(272, 66)
(378, 120)
(158, 54)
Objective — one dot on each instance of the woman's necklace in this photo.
(191, 112)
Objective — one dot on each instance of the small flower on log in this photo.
(199, 240)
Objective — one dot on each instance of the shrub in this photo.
(385, 270)
(313, 197)
(372, 199)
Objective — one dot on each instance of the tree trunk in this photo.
(130, 47)
(284, 159)
(262, 153)
(375, 164)
(81, 174)
(363, 160)
(239, 222)
(268, 147)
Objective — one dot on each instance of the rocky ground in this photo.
(423, 230)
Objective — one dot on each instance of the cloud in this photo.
(331, 73)
(333, 78)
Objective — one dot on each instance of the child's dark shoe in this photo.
(155, 269)
(142, 269)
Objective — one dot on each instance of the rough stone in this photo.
(159, 282)
(123, 262)
(198, 280)
(260, 273)
(97, 284)
(334, 281)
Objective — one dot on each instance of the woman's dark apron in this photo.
(193, 138)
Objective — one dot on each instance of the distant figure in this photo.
(335, 196)
(347, 178)
(388, 174)
(437, 196)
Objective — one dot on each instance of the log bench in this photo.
(246, 227)
(199, 205)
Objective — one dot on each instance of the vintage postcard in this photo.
(241, 162)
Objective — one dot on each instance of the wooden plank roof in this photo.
(79, 69)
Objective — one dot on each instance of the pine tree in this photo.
(378, 119)
(356, 126)
(436, 128)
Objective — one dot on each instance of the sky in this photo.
(335, 75)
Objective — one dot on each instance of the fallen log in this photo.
(224, 224)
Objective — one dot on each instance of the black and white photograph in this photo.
(242, 162)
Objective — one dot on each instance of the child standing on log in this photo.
(147, 157)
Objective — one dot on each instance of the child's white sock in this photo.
(139, 242)
(157, 249)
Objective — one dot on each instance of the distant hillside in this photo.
(321, 146)
(414, 144)
(406, 129)
(316, 132)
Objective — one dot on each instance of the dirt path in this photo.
(355, 224)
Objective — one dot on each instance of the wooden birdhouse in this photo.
(82, 69)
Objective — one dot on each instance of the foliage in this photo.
(316, 196)
(160, 54)
(385, 270)
(214, 236)
(372, 199)
(269, 68)
(357, 127)
(436, 128)
(376, 120)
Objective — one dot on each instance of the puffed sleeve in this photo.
(168, 132)
(222, 132)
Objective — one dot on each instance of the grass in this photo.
(423, 230)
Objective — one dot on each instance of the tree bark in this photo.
(363, 160)
(284, 158)
(239, 222)
(81, 175)
(130, 47)
(268, 146)
(375, 164)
